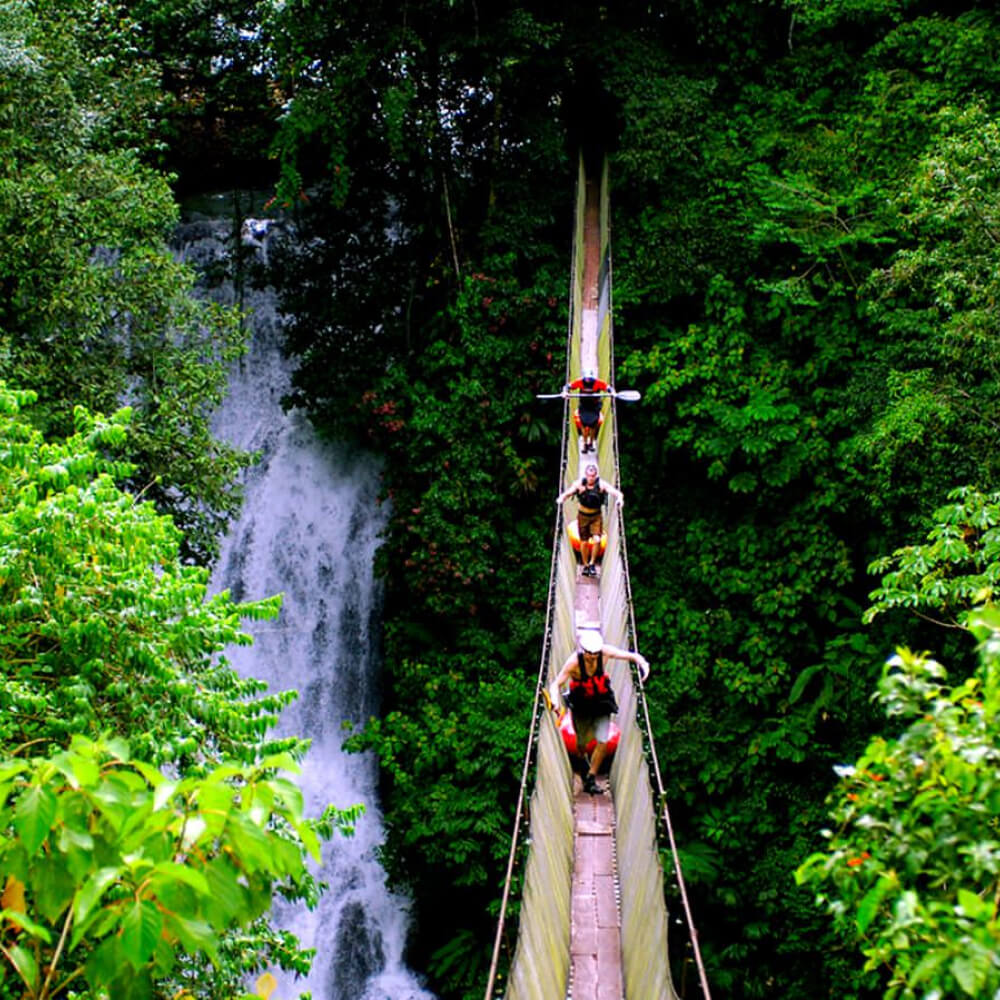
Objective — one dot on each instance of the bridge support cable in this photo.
(557, 955)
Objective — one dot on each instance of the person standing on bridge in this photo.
(590, 697)
(591, 492)
(589, 414)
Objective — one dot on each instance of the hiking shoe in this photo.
(590, 785)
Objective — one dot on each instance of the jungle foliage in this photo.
(805, 220)
(804, 203)
(147, 809)
(94, 307)
(911, 869)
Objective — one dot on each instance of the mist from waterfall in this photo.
(309, 530)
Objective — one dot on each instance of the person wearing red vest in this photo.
(590, 697)
(588, 414)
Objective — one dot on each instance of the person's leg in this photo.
(596, 531)
(585, 734)
(602, 733)
(595, 548)
(584, 522)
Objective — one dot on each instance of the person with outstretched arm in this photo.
(589, 408)
(590, 697)
(591, 492)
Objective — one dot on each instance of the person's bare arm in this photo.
(624, 654)
(555, 688)
(615, 492)
(566, 493)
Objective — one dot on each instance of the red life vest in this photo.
(591, 696)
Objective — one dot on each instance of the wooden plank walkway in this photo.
(595, 918)
(595, 915)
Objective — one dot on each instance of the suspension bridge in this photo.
(593, 920)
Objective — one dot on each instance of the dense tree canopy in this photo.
(803, 253)
(93, 305)
(804, 210)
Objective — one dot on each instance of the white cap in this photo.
(591, 641)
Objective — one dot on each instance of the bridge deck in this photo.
(595, 917)
(595, 934)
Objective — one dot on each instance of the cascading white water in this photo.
(309, 530)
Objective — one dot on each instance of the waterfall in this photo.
(309, 530)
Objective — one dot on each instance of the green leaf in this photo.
(34, 815)
(801, 681)
(194, 935)
(226, 894)
(973, 905)
(252, 845)
(90, 893)
(27, 924)
(27, 967)
(164, 793)
(140, 929)
(869, 905)
(79, 770)
(104, 963)
(71, 836)
(52, 884)
(172, 871)
(281, 762)
(971, 970)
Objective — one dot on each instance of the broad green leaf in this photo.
(10, 769)
(79, 770)
(194, 935)
(869, 905)
(71, 836)
(310, 841)
(27, 924)
(226, 896)
(105, 962)
(172, 871)
(52, 885)
(27, 967)
(253, 846)
(281, 762)
(972, 904)
(91, 891)
(34, 815)
(291, 796)
(971, 970)
(140, 929)
(163, 794)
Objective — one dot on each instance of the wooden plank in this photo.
(595, 919)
